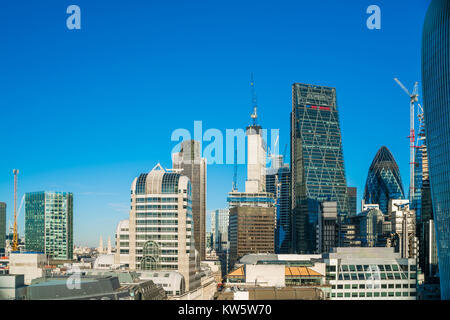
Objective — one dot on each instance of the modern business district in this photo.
(293, 233)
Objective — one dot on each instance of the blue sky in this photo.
(88, 110)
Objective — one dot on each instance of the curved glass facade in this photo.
(383, 181)
(436, 98)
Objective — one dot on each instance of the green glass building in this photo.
(49, 223)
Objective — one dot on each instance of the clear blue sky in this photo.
(88, 110)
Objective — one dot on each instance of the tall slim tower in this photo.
(194, 167)
(436, 97)
(317, 160)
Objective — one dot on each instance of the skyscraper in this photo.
(436, 99)
(317, 160)
(194, 167)
(49, 223)
(2, 228)
(383, 181)
(219, 229)
(422, 205)
(278, 182)
(160, 225)
(252, 213)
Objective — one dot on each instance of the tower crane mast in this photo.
(413, 98)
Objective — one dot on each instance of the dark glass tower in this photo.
(317, 160)
(383, 181)
(278, 182)
(436, 99)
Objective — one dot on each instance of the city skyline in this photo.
(103, 120)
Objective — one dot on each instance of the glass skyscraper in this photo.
(49, 223)
(278, 182)
(317, 160)
(383, 181)
(436, 100)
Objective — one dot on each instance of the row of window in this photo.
(372, 294)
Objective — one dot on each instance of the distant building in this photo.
(161, 235)
(194, 167)
(49, 223)
(278, 182)
(317, 160)
(2, 228)
(219, 229)
(352, 195)
(383, 181)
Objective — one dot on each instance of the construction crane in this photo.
(15, 245)
(413, 98)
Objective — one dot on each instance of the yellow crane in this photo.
(15, 245)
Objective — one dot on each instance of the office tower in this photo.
(278, 182)
(317, 160)
(383, 181)
(160, 227)
(2, 228)
(403, 228)
(219, 229)
(194, 167)
(351, 195)
(328, 227)
(49, 223)
(252, 213)
(436, 97)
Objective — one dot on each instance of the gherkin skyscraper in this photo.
(383, 181)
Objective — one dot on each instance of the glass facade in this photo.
(279, 183)
(436, 100)
(317, 160)
(49, 223)
(2, 228)
(383, 181)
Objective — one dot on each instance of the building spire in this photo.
(254, 115)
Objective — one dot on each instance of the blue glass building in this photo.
(278, 182)
(383, 181)
(317, 160)
(436, 100)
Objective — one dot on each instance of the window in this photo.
(362, 294)
(347, 294)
